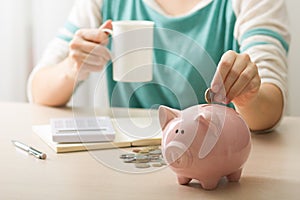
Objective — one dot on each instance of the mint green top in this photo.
(187, 48)
(186, 52)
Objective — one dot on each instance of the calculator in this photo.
(82, 129)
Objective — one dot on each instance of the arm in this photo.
(53, 85)
(265, 110)
(70, 57)
(49, 80)
(237, 80)
(255, 80)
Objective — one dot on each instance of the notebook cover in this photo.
(126, 136)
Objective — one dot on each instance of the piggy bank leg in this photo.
(183, 180)
(210, 184)
(235, 176)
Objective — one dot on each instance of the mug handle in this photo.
(107, 31)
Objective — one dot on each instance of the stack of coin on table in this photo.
(144, 157)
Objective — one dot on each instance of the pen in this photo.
(29, 149)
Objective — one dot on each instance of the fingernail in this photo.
(215, 87)
(218, 98)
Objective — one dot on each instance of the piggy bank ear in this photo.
(212, 134)
(166, 114)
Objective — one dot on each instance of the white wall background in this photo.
(41, 18)
(15, 48)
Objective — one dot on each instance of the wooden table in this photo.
(272, 171)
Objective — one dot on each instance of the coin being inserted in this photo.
(209, 95)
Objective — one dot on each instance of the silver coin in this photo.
(127, 155)
(154, 158)
(163, 162)
(142, 159)
(129, 160)
(155, 152)
(157, 164)
(142, 165)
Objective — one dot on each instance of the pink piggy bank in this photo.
(204, 142)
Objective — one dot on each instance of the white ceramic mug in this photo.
(132, 50)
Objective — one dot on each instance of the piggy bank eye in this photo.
(182, 132)
(176, 131)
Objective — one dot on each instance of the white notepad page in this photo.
(82, 129)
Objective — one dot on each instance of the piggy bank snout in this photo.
(177, 155)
